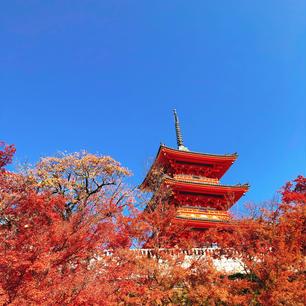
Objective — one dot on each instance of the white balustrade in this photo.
(225, 264)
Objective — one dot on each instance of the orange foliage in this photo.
(67, 227)
(271, 249)
(55, 229)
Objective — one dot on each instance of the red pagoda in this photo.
(194, 178)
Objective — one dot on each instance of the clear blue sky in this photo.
(105, 75)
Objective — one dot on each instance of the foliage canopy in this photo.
(68, 224)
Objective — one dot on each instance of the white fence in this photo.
(190, 252)
(227, 265)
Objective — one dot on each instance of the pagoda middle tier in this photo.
(201, 200)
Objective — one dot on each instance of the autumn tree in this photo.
(6, 154)
(67, 226)
(57, 224)
(271, 249)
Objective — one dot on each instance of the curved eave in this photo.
(198, 186)
(214, 156)
(203, 223)
(189, 156)
(202, 220)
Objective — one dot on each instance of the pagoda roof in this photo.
(242, 187)
(190, 157)
(202, 219)
(203, 223)
(187, 152)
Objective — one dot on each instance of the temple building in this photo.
(200, 199)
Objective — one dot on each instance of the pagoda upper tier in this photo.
(175, 161)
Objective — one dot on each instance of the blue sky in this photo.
(105, 76)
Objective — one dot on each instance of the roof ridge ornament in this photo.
(179, 138)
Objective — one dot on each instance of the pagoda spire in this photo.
(179, 138)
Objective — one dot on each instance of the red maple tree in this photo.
(270, 247)
(53, 244)
(67, 227)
